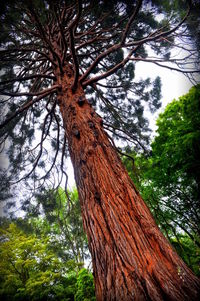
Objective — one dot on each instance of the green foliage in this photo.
(85, 286)
(176, 156)
(190, 253)
(31, 270)
(177, 145)
(177, 9)
(169, 179)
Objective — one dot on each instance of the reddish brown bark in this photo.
(132, 260)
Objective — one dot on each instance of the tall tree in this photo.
(53, 56)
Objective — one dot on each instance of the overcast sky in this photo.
(174, 84)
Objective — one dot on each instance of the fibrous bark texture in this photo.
(132, 260)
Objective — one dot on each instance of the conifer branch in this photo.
(43, 137)
(43, 92)
(131, 138)
(72, 29)
(130, 21)
(110, 71)
(158, 63)
(28, 104)
(159, 33)
(75, 60)
(23, 78)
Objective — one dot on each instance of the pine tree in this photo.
(61, 61)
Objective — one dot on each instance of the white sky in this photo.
(174, 85)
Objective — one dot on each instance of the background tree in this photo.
(175, 152)
(32, 270)
(85, 286)
(57, 215)
(53, 56)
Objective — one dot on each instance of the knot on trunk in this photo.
(91, 124)
(76, 131)
(97, 197)
(93, 127)
(80, 100)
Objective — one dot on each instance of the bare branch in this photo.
(111, 86)
(119, 151)
(43, 137)
(97, 60)
(93, 27)
(36, 20)
(24, 50)
(58, 144)
(131, 138)
(74, 22)
(152, 37)
(59, 20)
(72, 29)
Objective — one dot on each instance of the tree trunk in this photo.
(132, 260)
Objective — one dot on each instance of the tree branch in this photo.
(75, 60)
(110, 71)
(160, 33)
(20, 79)
(24, 50)
(72, 29)
(74, 22)
(58, 145)
(59, 20)
(132, 18)
(97, 60)
(43, 137)
(28, 105)
(158, 63)
(46, 91)
(132, 138)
